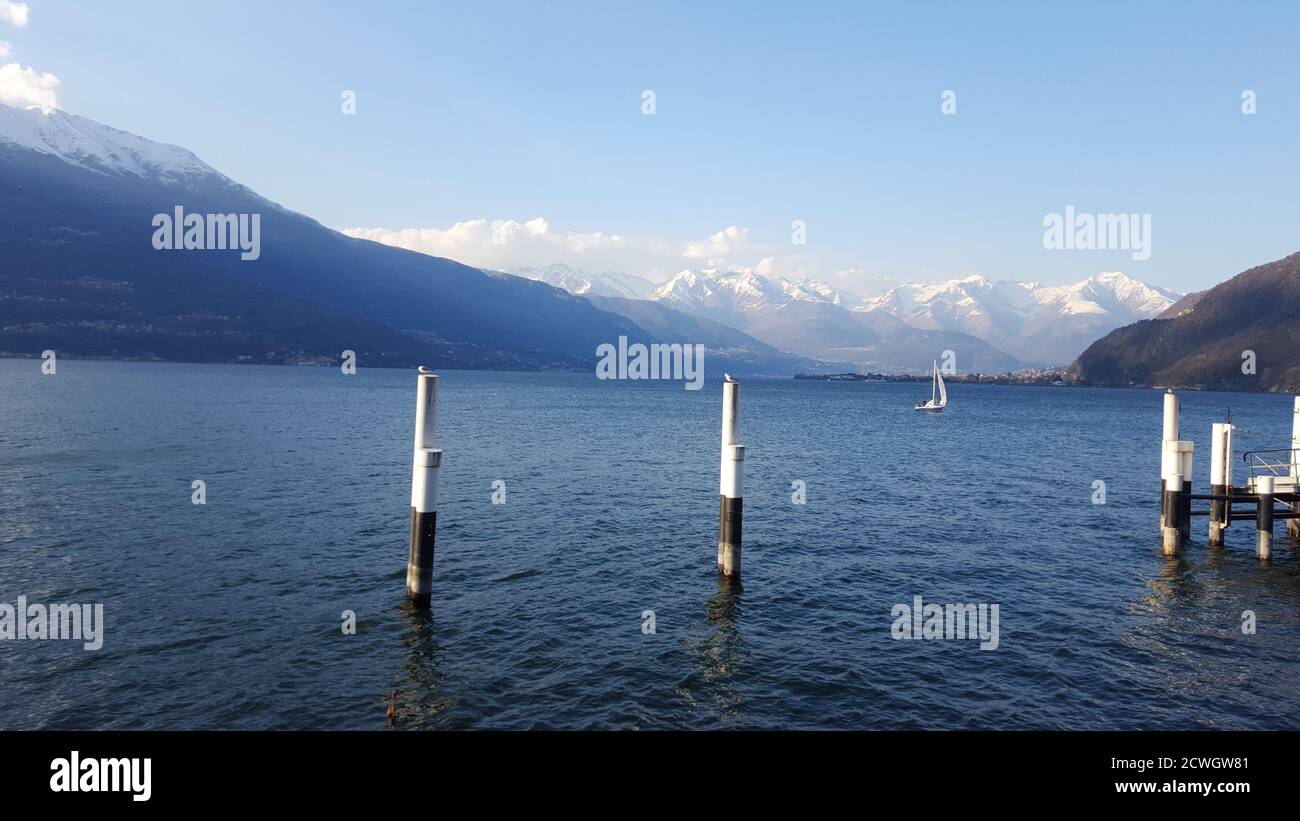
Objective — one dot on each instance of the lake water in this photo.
(228, 614)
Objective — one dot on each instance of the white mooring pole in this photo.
(1264, 516)
(732, 484)
(1169, 462)
(424, 490)
(1171, 415)
(1220, 482)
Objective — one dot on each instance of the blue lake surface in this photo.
(227, 615)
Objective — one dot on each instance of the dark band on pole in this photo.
(420, 558)
(1264, 516)
(730, 520)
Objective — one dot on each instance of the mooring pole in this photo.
(424, 490)
(1168, 462)
(1171, 415)
(1170, 538)
(1220, 457)
(1293, 525)
(1185, 513)
(1174, 459)
(731, 495)
(1264, 515)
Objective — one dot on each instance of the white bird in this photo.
(728, 377)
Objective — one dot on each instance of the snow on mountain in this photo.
(1037, 324)
(729, 295)
(1032, 322)
(627, 286)
(814, 319)
(1041, 324)
(97, 147)
(1110, 292)
(812, 290)
(944, 303)
(972, 305)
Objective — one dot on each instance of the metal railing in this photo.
(1279, 462)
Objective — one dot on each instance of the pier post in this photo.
(1170, 537)
(1171, 415)
(1175, 458)
(1185, 512)
(1220, 470)
(1293, 525)
(424, 490)
(1169, 434)
(1264, 515)
(731, 488)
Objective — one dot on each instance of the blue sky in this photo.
(765, 113)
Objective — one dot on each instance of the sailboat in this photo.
(938, 393)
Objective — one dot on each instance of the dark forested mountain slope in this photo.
(1257, 311)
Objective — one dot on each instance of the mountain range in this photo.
(1041, 325)
(992, 326)
(78, 274)
(818, 321)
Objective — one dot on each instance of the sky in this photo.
(512, 134)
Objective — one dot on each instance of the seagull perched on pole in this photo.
(726, 377)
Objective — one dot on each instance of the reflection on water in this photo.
(720, 657)
(421, 699)
(1189, 627)
(1201, 576)
(1172, 582)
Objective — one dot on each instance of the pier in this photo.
(1270, 492)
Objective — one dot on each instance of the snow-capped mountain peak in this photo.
(560, 275)
(812, 290)
(717, 290)
(1037, 323)
(1110, 292)
(974, 281)
(88, 144)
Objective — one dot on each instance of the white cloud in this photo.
(11, 12)
(508, 245)
(716, 250)
(511, 244)
(26, 88)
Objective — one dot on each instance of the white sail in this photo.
(938, 393)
